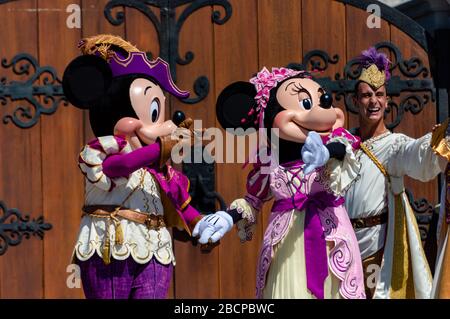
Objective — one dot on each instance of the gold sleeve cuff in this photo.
(440, 142)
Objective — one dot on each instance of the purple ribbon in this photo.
(315, 244)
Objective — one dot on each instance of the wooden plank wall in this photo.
(40, 175)
(22, 267)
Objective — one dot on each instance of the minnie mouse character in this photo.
(309, 248)
(124, 248)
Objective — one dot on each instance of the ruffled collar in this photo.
(377, 138)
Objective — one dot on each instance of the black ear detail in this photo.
(86, 80)
(233, 105)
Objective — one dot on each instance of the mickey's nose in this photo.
(326, 100)
(178, 117)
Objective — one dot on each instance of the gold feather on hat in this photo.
(102, 44)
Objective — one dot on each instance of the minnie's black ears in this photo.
(234, 104)
(86, 80)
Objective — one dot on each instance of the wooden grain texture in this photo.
(279, 32)
(93, 23)
(236, 59)
(140, 31)
(196, 36)
(359, 37)
(63, 137)
(39, 170)
(323, 28)
(20, 164)
(421, 123)
(280, 42)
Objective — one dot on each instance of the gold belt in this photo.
(152, 221)
(111, 212)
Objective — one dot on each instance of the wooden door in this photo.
(38, 170)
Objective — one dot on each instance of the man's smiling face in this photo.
(371, 103)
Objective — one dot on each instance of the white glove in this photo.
(213, 226)
(314, 153)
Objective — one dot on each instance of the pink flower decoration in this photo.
(265, 81)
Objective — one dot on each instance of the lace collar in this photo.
(377, 138)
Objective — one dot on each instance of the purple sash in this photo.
(315, 245)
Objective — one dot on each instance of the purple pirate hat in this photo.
(137, 62)
(124, 58)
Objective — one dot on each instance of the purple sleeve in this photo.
(122, 165)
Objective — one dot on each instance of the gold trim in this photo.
(151, 64)
(78, 247)
(375, 160)
(116, 252)
(88, 149)
(438, 141)
(182, 207)
(134, 251)
(125, 62)
(402, 283)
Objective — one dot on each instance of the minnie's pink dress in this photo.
(309, 248)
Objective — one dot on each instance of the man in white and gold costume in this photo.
(394, 262)
(441, 283)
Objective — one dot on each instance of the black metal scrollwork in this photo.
(14, 226)
(25, 116)
(423, 211)
(422, 89)
(202, 178)
(168, 30)
(315, 60)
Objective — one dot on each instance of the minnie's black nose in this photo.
(326, 100)
(178, 117)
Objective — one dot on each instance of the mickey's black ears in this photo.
(86, 80)
(233, 105)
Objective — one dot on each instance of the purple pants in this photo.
(125, 279)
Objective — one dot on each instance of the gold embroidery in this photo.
(183, 206)
(375, 161)
(373, 76)
(90, 247)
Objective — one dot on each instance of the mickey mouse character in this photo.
(309, 248)
(124, 248)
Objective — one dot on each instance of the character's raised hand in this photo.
(314, 153)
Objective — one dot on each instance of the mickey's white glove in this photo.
(213, 226)
(314, 153)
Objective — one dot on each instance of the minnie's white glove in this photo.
(213, 226)
(314, 153)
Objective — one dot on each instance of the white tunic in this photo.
(139, 192)
(371, 195)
